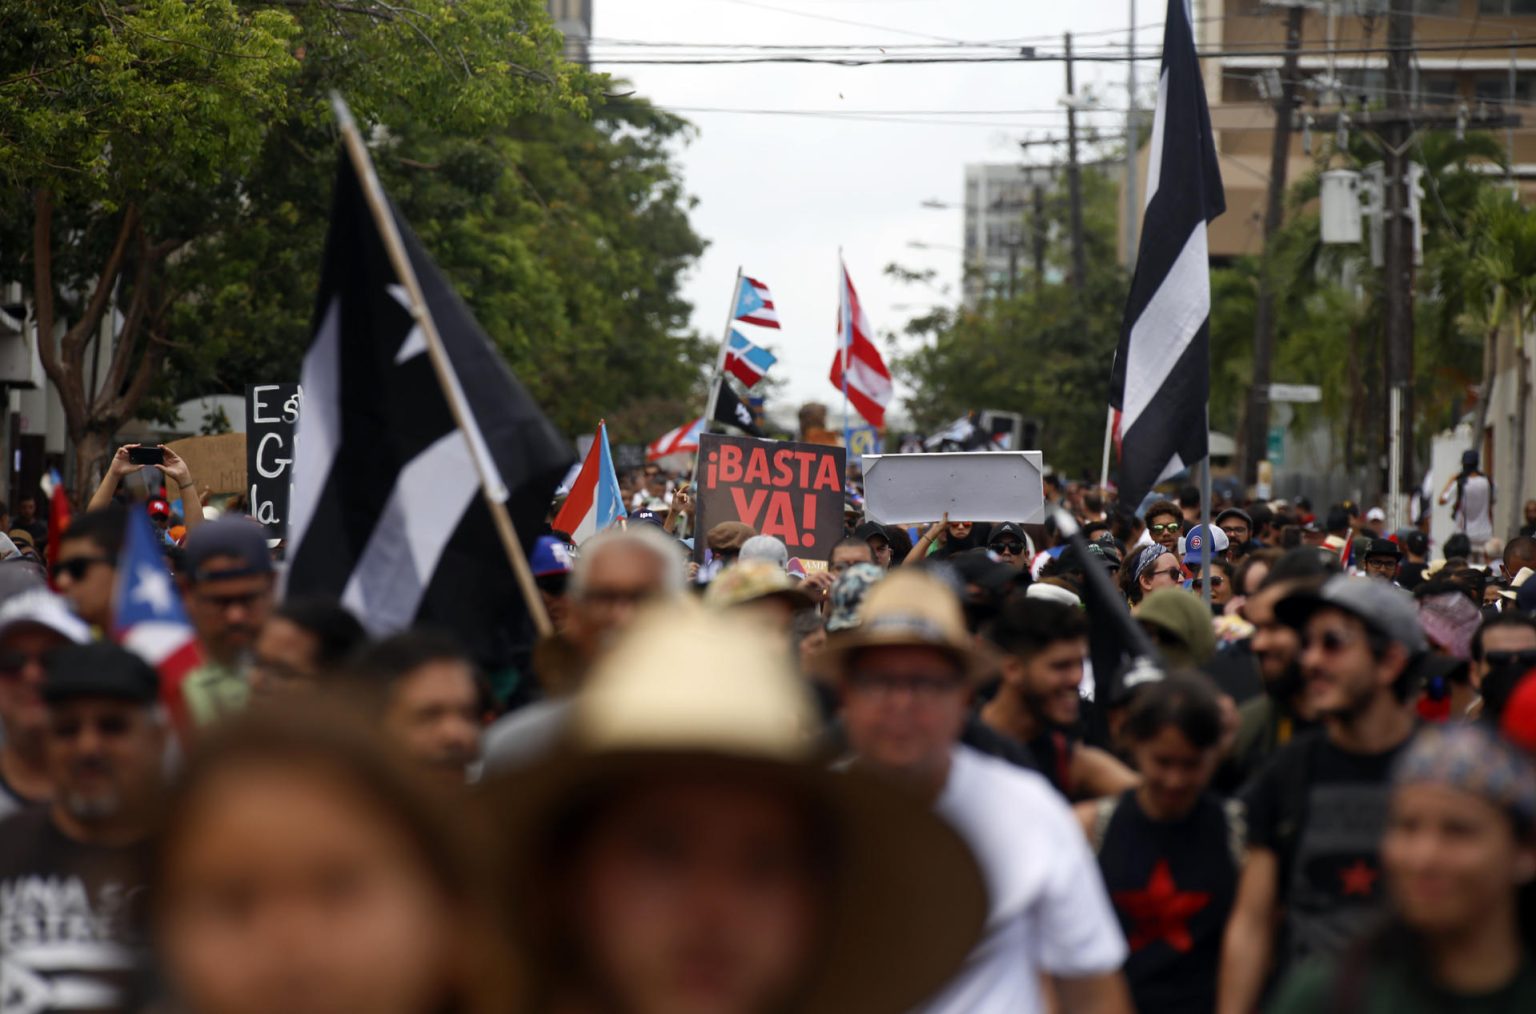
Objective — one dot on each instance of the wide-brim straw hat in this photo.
(910, 608)
(694, 694)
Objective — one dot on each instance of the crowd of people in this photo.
(962, 767)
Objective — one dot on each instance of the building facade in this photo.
(574, 20)
(999, 212)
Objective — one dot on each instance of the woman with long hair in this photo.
(301, 868)
(1169, 849)
(1459, 857)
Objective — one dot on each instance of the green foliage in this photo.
(180, 154)
(1045, 352)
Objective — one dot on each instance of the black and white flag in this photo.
(387, 511)
(1161, 384)
(732, 411)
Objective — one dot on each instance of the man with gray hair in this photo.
(70, 872)
(616, 573)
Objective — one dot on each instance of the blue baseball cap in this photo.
(1196, 537)
(550, 557)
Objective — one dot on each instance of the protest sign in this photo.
(270, 413)
(905, 489)
(217, 462)
(863, 440)
(791, 491)
(628, 457)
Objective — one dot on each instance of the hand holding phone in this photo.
(146, 455)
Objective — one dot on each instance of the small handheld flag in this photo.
(149, 619)
(595, 499)
(679, 441)
(745, 361)
(754, 304)
(868, 381)
(732, 411)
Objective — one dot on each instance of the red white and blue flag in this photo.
(868, 381)
(595, 500)
(679, 441)
(745, 361)
(754, 304)
(149, 618)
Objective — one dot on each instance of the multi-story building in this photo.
(574, 19)
(999, 198)
(1452, 66)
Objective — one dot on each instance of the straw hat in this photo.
(910, 608)
(688, 692)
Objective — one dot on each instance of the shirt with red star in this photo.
(1172, 884)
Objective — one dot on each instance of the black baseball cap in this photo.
(1383, 547)
(99, 669)
(871, 530)
(233, 536)
(1234, 512)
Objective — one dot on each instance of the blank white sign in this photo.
(906, 489)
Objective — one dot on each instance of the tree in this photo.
(1045, 352)
(129, 134)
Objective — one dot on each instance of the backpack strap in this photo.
(1103, 813)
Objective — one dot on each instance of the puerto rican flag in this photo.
(754, 304)
(869, 382)
(746, 362)
(595, 500)
(679, 441)
(150, 620)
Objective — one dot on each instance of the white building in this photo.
(574, 20)
(999, 203)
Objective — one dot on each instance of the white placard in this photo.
(905, 489)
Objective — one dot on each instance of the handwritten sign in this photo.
(270, 413)
(217, 462)
(791, 491)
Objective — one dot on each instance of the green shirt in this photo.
(1314, 988)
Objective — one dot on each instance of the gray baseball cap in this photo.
(1382, 607)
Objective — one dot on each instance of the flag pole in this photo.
(1109, 436)
(719, 376)
(389, 232)
(845, 334)
(1205, 526)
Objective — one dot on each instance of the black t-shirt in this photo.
(1410, 575)
(69, 919)
(1172, 884)
(1322, 811)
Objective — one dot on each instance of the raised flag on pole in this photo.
(1160, 386)
(732, 411)
(683, 440)
(595, 500)
(754, 304)
(745, 361)
(388, 511)
(869, 382)
(149, 619)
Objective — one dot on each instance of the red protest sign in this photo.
(793, 492)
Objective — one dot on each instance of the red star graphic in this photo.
(1358, 878)
(1161, 911)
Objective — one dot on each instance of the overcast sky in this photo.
(780, 194)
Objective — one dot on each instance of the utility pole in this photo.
(1039, 231)
(1132, 146)
(1398, 261)
(1256, 442)
(1074, 178)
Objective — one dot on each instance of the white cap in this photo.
(43, 609)
(1375, 514)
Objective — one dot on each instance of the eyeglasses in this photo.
(105, 725)
(1172, 526)
(1331, 641)
(1166, 572)
(13, 662)
(1506, 659)
(1216, 581)
(76, 567)
(926, 688)
(1240, 534)
(1007, 547)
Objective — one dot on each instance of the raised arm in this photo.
(118, 467)
(179, 475)
(936, 533)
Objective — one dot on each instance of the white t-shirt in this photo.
(1048, 912)
(1476, 515)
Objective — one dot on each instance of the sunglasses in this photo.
(110, 726)
(13, 662)
(1507, 659)
(1172, 526)
(1216, 581)
(77, 567)
(1330, 641)
(1166, 572)
(1008, 547)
